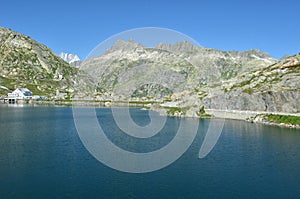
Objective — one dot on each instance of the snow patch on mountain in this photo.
(70, 58)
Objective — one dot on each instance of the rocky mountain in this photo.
(182, 78)
(27, 63)
(275, 88)
(72, 59)
(188, 79)
(129, 69)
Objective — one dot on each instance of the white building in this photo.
(21, 93)
(60, 95)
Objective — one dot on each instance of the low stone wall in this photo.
(232, 114)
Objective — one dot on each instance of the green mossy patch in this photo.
(286, 119)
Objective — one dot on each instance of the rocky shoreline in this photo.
(262, 119)
(253, 116)
(250, 116)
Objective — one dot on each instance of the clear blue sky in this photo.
(78, 26)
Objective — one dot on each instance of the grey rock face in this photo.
(272, 101)
(275, 89)
(178, 48)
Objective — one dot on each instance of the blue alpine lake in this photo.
(42, 156)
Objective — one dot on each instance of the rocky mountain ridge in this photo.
(175, 67)
(188, 78)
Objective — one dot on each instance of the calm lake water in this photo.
(41, 156)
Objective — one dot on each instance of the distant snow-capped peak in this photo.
(70, 58)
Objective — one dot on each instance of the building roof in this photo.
(24, 91)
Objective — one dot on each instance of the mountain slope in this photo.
(275, 89)
(190, 77)
(26, 63)
(129, 68)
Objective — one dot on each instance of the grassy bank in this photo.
(286, 119)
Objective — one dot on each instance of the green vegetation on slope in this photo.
(286, 119)
(173, 110)
(29, 64)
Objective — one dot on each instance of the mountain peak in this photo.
(179, 47)
(258, 53)
(122, 45)
(70, 58)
